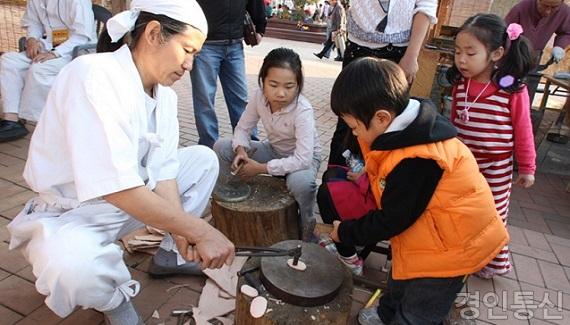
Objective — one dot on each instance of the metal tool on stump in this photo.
(321, 292)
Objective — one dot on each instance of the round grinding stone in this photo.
(232, 192)
(315, 286)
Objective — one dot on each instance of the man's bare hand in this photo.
(42, 57)
(33, 47)
(409, 64)
(213, 249)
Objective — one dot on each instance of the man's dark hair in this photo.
(169, 27)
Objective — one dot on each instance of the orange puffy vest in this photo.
(460, 230)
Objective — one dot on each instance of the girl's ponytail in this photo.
(517, 62)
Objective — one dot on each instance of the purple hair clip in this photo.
(506, 81)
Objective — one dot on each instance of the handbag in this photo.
(249, 35)
(340, 42)
(349, 200)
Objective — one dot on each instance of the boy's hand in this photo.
(525, 180)
(354, 176)
(334, 233)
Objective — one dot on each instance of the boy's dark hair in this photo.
(282, 58)
(491, 30)
(367, 85)
(169, 27)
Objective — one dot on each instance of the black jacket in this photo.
(225, 17)
(409, 186)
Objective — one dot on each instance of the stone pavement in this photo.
(536, 292)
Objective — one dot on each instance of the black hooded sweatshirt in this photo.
(409, 186)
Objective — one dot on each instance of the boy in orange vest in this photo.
(433, 204)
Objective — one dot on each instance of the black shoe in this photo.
(338, 58)
(10, 130)
(318, 55)
(163, 264)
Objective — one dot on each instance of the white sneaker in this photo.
(354, 263)
(369, 316)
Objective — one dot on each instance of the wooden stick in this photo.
(373, 298)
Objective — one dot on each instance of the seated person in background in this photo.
(541, 19)
(26, 77)
(432, 203)
(292, 148)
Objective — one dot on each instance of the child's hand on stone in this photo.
(239, 160)
(251, 168)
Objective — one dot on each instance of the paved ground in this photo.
(538, 289)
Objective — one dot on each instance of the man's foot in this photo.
(10, 130)
(354, 263)
(338, 58)
(369, 316)
(123, 314)
(318, 55)
(163, 264)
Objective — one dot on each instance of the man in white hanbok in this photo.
(54, 28)
(105, 160)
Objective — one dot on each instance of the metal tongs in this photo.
(253, 251)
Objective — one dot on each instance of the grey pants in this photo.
(301, 183)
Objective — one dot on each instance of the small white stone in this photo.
(155, 314)
(249, 291)
(299, 267)
(313, 317)
(258, 307)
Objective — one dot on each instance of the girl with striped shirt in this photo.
(491, 109)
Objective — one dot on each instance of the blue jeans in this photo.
(225, 60)
(422, 301)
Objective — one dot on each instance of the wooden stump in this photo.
(268, 216)
(335, 312)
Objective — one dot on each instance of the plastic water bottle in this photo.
(356, 165)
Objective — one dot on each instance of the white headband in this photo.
(186, 11)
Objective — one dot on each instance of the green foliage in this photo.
(299, 5)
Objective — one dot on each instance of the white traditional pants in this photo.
(73, 252)
(24, 85)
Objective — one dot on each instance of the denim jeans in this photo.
(226, 60)
(422, 301)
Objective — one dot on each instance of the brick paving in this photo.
(539, 228)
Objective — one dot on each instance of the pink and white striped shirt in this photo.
(499, 123)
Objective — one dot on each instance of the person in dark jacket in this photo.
(336, 21)
(222, 55)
